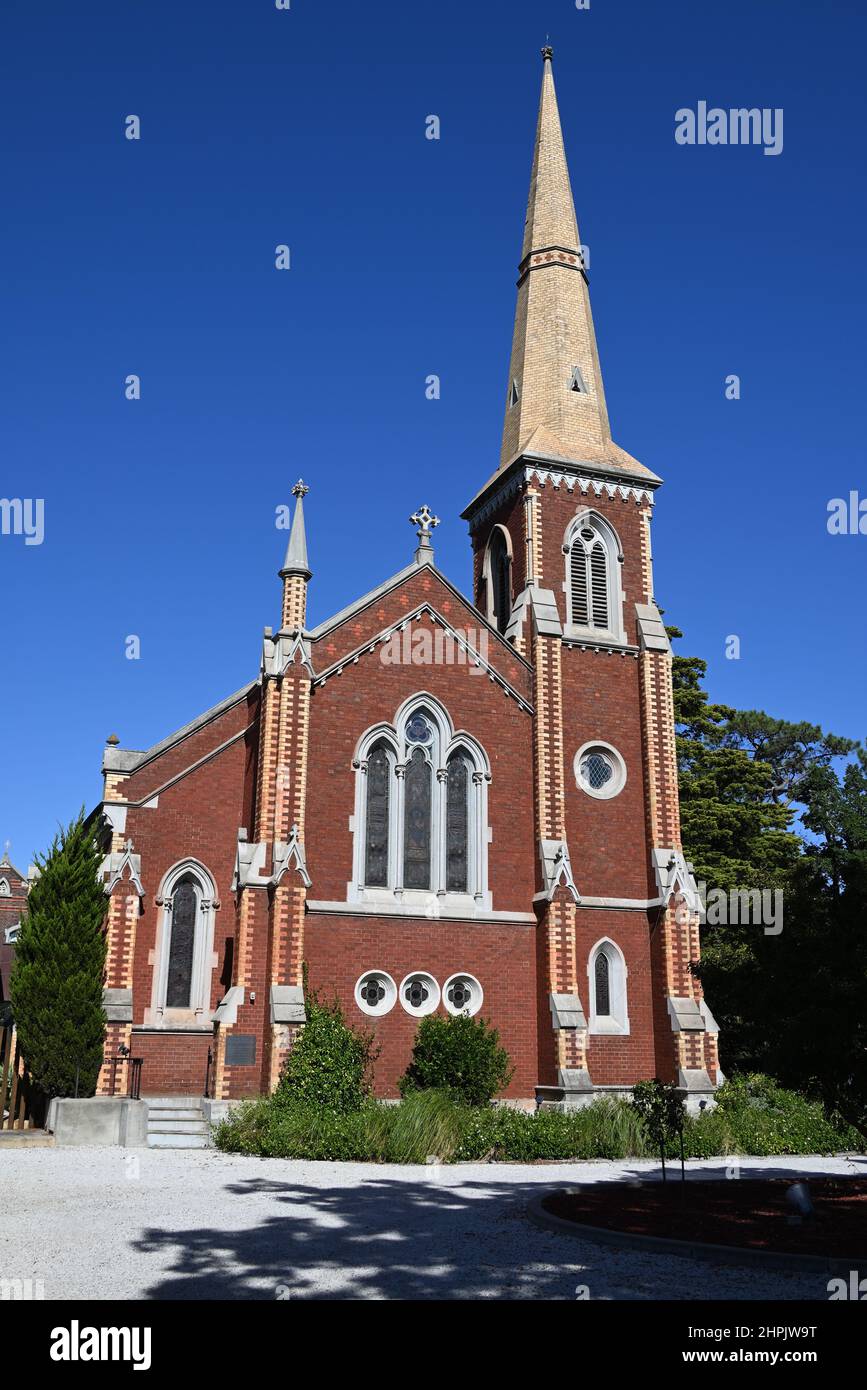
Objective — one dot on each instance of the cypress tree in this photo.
(57, 977)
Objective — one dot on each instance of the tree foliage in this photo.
(771, 804)
(57, 978)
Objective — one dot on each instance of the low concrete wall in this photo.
(113, 1120)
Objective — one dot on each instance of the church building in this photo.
(431, 802)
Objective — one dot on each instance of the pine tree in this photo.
(57, 978)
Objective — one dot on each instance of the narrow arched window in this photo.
(376, 848)
(185, 906)
(603, 985)
(500, 578)
(590, 580)
(606, 970)
(417, 822)
(457, 825)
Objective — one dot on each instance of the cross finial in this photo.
(300, 489)
(425, 520)
(6, 848)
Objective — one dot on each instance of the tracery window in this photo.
(421, 809)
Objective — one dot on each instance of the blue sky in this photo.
(306, 127)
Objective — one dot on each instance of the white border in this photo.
(477, 993)
(618, 781)
(433, 1000)
(385, 1005)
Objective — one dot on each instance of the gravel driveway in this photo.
(113, 1223)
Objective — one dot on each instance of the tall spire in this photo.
(556, 401)
(296, 551)
(296, 571)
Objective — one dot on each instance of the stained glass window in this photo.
(596, 770)
(457, 825)
(376, 851)
(418, 730)
(417, 822)
(183, 937)
(603, 989)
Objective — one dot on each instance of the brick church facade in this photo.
(430, 802)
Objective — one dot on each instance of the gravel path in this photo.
(113, 1223)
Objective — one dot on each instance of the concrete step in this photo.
(161, 1115)
(196, 1126)
(173, 1102)
(177, 1141)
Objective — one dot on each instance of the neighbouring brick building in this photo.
(435, 802)
(14, 888)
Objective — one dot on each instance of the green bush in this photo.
(427, 1124)
(754, 1116)
(459, 1055)
(329, 1065)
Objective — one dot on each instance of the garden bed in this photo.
(744, 1213)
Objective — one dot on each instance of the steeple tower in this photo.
(555, 404)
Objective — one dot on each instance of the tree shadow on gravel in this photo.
(420, 1240)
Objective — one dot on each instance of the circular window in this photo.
(375, 993)
(419, 994)
(462, 994)
(599, 770)
(418, 730)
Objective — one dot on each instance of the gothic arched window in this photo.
(184, 957)
(417, 822)
(185, 906)
(457, 824)
(376, 849)
(603, 992)
(592, 579)
(420, 811)
(5, 890)
(606, 970)
(498, 571)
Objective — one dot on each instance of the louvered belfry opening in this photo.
(500, 580)
(589, 580)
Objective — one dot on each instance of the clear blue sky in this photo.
(307, 127)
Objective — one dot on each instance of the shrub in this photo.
(460, 1055)
(754, 1116)
(329, 1065)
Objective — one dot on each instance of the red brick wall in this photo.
(347, 705)
(501, 957)
(197, 817)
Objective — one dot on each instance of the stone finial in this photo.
(547, 53)
(300, 489)
(6, 848)
(425, 520)
(112, 741)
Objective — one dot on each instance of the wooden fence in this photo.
(21, 1105)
